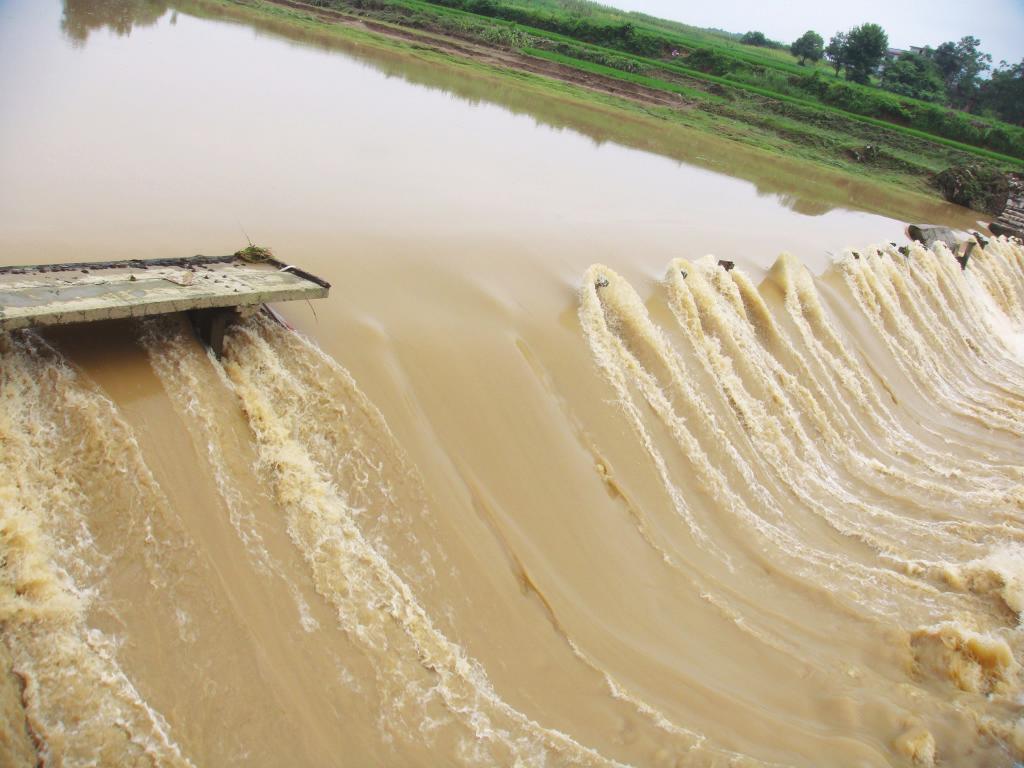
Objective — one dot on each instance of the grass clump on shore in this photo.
(254, 254)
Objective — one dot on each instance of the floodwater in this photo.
(540, 484)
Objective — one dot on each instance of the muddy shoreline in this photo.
(492, 56)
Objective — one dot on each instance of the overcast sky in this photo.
(998, 23)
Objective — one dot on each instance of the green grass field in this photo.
(642, 42)
(760, 106)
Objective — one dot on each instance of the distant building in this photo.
(895, 53)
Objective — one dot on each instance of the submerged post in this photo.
(210, 325)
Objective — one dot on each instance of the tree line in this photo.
(952, 74)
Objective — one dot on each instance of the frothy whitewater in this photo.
(821, 483)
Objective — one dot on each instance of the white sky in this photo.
(999, 24)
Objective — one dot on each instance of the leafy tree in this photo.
(836, 51)
(865, 47)
(914, 75)
(946, 61)
(960, 66)
(121, 16)
(808, 46)
(759, 39)
(1003, 93)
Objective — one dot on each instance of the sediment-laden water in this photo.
(493, 504)
(781, 524)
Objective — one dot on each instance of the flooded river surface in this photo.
(540, 483)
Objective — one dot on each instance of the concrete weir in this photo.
(210, 288)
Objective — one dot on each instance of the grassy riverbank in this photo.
(797, 128)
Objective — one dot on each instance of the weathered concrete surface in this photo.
(929, 234)
(60, 294)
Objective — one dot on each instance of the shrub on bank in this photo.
(624, 37)
(930, 118)
(975, 186)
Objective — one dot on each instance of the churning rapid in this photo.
(789, 530)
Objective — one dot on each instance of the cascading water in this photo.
(815, 484)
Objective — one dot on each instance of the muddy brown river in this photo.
(540, 483)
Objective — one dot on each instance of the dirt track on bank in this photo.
(496, 57)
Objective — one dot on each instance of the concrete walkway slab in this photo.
(56, 294)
